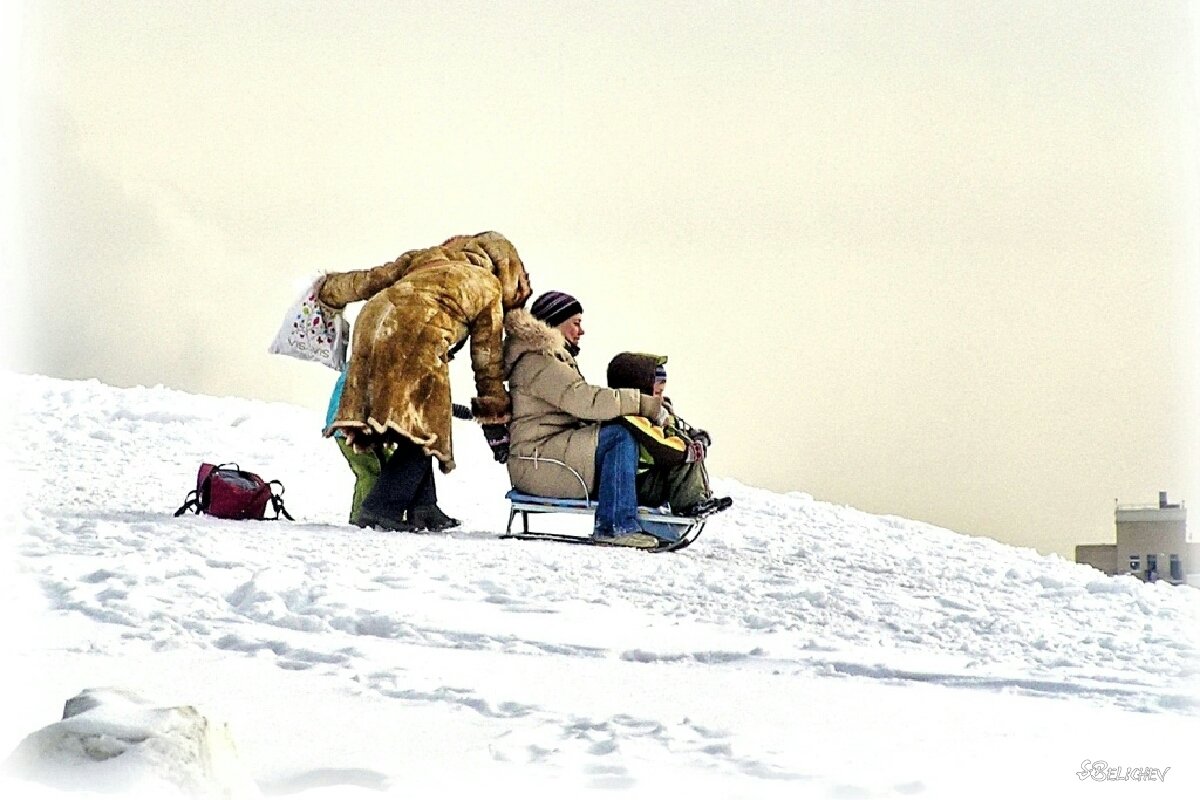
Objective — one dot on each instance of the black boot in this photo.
(366, 519)
(709, 505)
(431, 518)
(400, 480)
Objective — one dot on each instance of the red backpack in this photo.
(229, 492)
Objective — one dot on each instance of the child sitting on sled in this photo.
(670, 467)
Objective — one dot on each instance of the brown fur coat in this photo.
(417, 309)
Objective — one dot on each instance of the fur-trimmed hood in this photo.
(525, 333)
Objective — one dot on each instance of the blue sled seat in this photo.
(657, 521)
(564, 503)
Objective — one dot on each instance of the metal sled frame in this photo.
(667, 526)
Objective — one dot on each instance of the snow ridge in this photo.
(799, 577)
(783, 586)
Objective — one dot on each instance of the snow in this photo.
(798, 649)
(116, 742)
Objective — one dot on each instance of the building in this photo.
(1152, 543)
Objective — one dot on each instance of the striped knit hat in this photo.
(555, 308)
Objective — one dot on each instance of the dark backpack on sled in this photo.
(229, 492)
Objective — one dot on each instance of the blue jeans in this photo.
(616, 471)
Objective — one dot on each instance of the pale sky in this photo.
(935, 259)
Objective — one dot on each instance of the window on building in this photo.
(1176, 567)
(1151, 566)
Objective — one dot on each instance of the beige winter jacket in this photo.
(556, 414)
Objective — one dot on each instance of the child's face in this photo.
(660, 387)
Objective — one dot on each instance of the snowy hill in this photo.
(799, 648)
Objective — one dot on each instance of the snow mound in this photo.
(114, 741)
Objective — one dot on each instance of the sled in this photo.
(675, 531)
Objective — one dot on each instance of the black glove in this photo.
(460, 411)
(497, 439)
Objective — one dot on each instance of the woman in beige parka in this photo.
(557, 416)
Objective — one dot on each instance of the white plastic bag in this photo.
(313, 332)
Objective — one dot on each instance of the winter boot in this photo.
(638, 539)
(366, 519)
(709, 505)
(432, 519)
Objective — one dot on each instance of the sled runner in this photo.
(674, 531)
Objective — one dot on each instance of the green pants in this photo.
(365, 467)
(681, 486)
